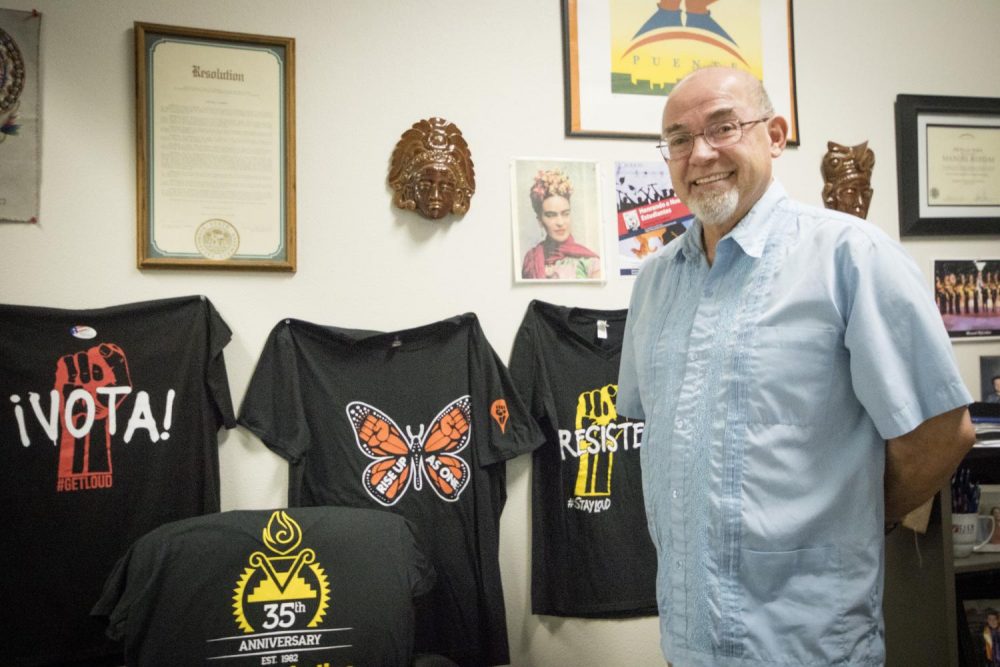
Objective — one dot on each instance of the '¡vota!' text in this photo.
(81, 402)
(599, 438)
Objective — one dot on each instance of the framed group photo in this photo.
(967, 294)
(622, 58)
(948, 165)
(556, 221)
(215, 145)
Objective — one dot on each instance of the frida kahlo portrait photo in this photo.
(556, 221)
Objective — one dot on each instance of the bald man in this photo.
(799, 390)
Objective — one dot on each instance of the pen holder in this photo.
(963, 533)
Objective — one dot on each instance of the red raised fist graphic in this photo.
(92, 384)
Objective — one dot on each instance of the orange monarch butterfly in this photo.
(431, 452)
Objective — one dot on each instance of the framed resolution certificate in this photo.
(948, 162)
(215, 149)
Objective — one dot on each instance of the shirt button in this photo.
(677, 564)
(679, 423)
(674, 494)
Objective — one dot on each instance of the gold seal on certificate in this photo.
(216, 239)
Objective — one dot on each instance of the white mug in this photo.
(963, 533)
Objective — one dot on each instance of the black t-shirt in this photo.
(416, 422)
(591, 554)
(108, 428)
(309, 586)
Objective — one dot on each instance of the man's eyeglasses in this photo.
(679, 145)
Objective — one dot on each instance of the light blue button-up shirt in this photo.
(769, 383)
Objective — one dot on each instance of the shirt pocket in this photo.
(790, 375)
(792, 611)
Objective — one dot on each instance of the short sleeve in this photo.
(524, 366)
(125, 589)
(628, 402)
(217, 378)
(902, 365)
(111, 605)
(272, 408)
(501, 411)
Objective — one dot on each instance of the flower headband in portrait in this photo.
(549, 183)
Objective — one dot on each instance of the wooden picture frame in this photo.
(622, 59)
(948, 165)
(215, 149)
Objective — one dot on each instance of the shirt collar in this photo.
(750, 233)
(693, 247)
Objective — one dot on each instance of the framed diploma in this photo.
(948, 165)
(215, 168)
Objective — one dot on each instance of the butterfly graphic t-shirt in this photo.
(108, 428)
(591, 554)
(417, 422)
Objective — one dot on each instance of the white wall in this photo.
(366, 71)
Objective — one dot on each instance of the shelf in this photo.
(982, 451)
(978, 562)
